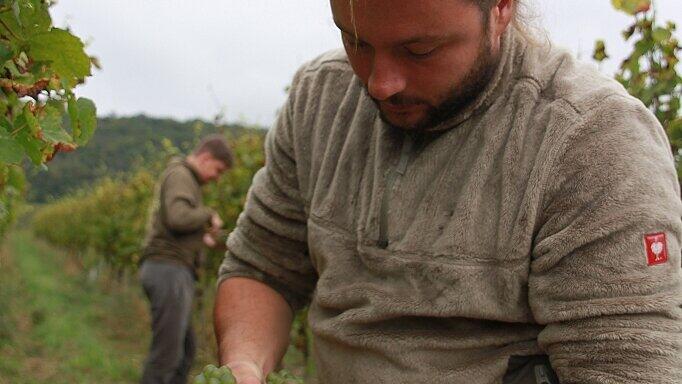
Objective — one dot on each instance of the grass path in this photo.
(57, 327)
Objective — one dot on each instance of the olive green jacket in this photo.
(178, 219)
(542, 219)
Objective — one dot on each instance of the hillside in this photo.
(119, 144)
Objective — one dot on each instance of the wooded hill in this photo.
(119, 145)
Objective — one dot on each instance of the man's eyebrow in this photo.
(426, 38)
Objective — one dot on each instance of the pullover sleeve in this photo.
(608, 294)
(269, 243)
(184, 211)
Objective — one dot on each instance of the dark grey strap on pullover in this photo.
(406, 151)
(530, 370)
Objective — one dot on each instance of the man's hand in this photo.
(213, 232)
(246, 372)
(209, 241)
(216, 222)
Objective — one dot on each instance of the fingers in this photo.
(216, 222)
(249, 380)
(246, 372)
(209, 241)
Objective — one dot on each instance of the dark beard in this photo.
(459, 97)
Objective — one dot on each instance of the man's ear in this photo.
(501, 15)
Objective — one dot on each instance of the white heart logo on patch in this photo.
(657, 248)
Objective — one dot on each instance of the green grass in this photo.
(57, 327)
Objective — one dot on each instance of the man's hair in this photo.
(485, 5)
(524, 21)
(216, 146)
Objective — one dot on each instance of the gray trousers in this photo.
(170, 289)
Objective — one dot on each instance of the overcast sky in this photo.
(187, 59)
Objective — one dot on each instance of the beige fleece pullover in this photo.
(524, 225)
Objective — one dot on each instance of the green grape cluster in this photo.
(223, 375)
(215, 375)
(283, 377)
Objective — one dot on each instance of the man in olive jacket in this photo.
(458, 204)
(180, 226)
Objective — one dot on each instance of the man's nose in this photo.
(385, 79)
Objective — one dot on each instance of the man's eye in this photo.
(420, 53)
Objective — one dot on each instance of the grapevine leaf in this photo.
(632, 7)
(65, 53)
(72, 109)
(29, 119)
(31, 145)
(51, 124)
(600, 51)
(661, 34)
(34, 16)
(22, 60)
(4, 212)
(4, 173)
(627, 34)
(16, 178)
(675, 131)
(11, 26)
(6, 125)
(10, 150)
(16, 11)
(87, 120)
(13, 70)
(95, 62)
(5, 52)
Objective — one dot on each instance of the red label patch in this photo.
(656, 248)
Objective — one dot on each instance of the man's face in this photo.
(209, 167)
(421, 61)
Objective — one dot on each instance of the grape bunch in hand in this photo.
(283, 377)
(223, 375)
(215, 375)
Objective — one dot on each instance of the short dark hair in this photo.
(217, 146)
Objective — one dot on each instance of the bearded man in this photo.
(457, 202)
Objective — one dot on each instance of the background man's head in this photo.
(422, 61)
(211, 158)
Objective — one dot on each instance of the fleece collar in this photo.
(195, 173)
(180, 161)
